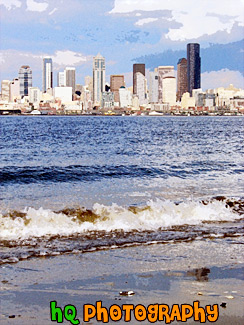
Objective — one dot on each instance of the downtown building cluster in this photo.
(153, 93)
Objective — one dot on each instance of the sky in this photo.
(154, 32)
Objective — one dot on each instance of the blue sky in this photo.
(124, 32)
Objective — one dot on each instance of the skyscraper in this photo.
(116, 81)
(137, 67)
(25, 79)
(169, 90)
(153, 86)
(141, 88)
(163, 71)
(181, 78)
(98, 78)
(70, 78)
(14, 89)
(47, 74)
(61, 80)
(193, 67)
(5, 85)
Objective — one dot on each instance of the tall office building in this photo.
(137, 67)
(25, 79)
(169, 90)
(141, 87)
(14, 89)
(5, 89)
(61, 80)
(181, 78)
(47, 74)
(193, 67)
(98, 78)
(163, 71)
(153, 86)
(116, 81)
(70, 78)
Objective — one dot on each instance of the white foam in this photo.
(159, 213)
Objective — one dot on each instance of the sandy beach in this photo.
(175, 273)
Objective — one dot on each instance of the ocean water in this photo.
(79, 184)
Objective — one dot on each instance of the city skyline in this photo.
(123, 34)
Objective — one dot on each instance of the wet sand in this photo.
(210, 271)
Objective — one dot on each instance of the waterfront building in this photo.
(153, 86)
(107, 100)
(98, 78)
(116, 81)
(14, 90)
(25, 79)
(163, 71)
(47, 74)
(187, 101)
(193, 67)
(61, 80)
(137, 67)
(5, 84)
(70, 78)
(34, 95)
(63, 93)
(125, 97)
(169, 90)
(181, 78)
(196, 94)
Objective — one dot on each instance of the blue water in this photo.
(78, 184)
(55, 162)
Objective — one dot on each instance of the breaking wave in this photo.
(158, 214)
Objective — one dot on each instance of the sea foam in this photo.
(156, 214)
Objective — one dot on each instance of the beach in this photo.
(209, 271)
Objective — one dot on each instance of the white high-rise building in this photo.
(14, 89)
(153, 86)
(98, 78)
(47, 74)
(34, 94)
(169, 90)
(5, 89)
(141, 90)
(61, 80)
(163, 71)
(125, 97)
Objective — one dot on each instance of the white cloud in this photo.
(195, 18)
(36, 6)
(69, 58)
(9, 4)
(12, 60)
(222, 78)
(53, 11)
(145, 21)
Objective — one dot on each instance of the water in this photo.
(77, 184)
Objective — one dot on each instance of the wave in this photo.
(76, 173)
(158, 214)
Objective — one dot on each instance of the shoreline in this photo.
(118, 115)
(172, 273)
